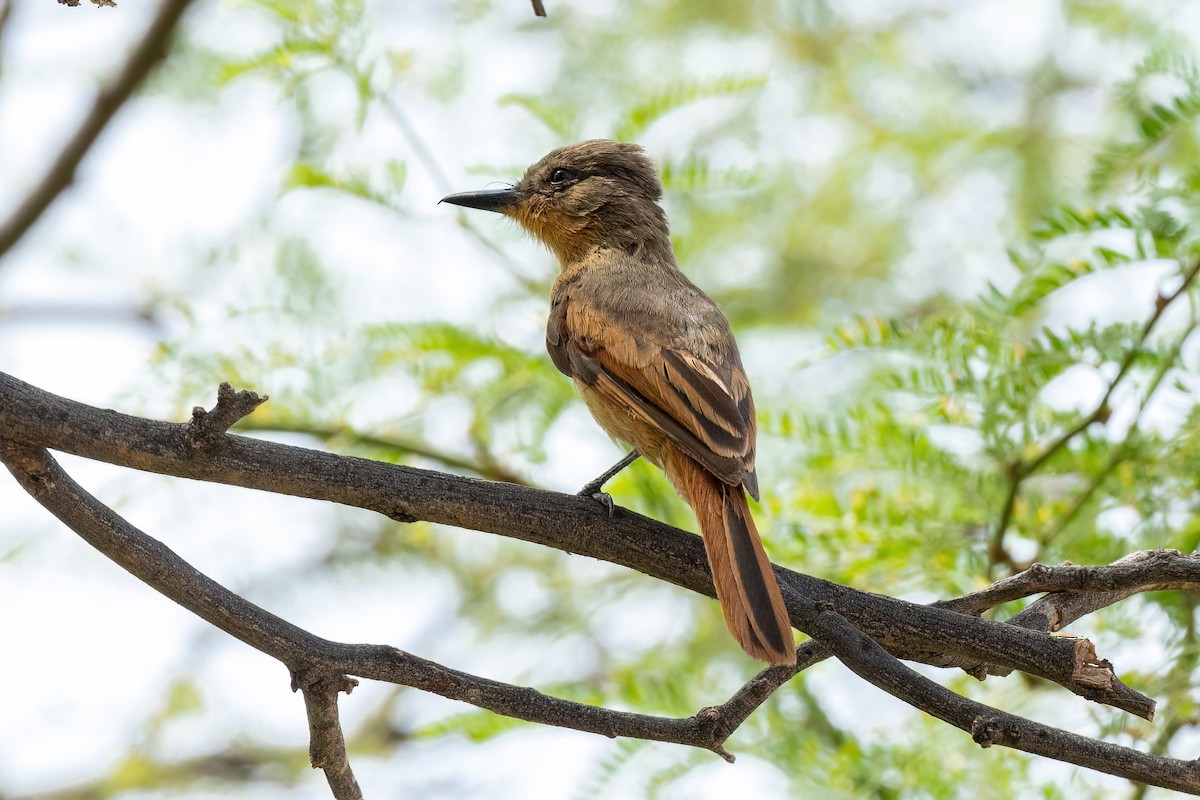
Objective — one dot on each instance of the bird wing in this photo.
(704, 408)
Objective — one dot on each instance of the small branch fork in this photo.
(866, 632)
(1073, 591)
(208, 428)
(326, 743)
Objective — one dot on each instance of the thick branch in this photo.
(156, 564)
(149, 52)
(988, 726)
(565, 522)
(1076, 591)
(1073, 592)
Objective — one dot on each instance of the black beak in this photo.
(489, 200)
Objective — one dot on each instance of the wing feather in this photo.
(703, 407)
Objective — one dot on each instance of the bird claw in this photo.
(603, 498)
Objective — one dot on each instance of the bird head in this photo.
(584, 196)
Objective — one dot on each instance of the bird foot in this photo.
(603, 498)
(593, 488)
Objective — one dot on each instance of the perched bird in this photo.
(653, 358)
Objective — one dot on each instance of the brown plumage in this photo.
(653, 358)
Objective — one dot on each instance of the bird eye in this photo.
(561, 176)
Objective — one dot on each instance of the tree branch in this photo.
(326, 744)
(82, 312)
(1076, 591)
(149, 52)
(1018, 471)
(565, 522)
(1143, 571)
(208, 428)
(5, 18)
(988, 726)
(320, 666)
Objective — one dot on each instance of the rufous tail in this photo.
(746, 587)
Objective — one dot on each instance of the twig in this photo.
(1020, 470)
(1143, 571)
(423, 152)
(1082, 499)
(465, 221)
(538, 8)
(5, 18)
(83, 312)
(326, 744)
(758, 689)
(997, 554)
(207, 428)
(149, 52)
(1121, 450)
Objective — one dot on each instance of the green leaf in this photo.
(640, 116)
(556, 117)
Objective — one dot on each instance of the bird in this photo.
(654, 359)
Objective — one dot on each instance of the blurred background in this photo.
(936, 227)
